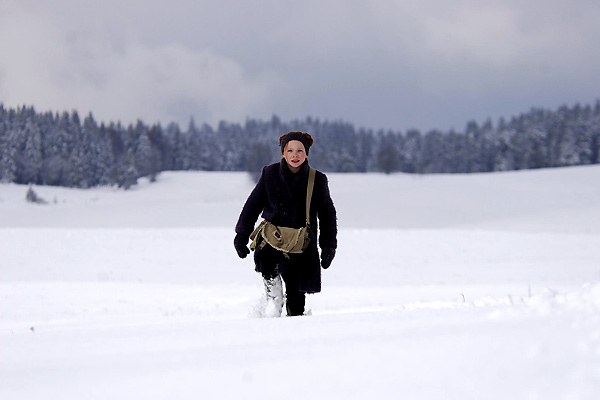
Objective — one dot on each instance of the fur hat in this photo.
(305, 138)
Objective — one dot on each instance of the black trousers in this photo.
(270, 263)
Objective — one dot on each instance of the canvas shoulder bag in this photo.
(287, 240)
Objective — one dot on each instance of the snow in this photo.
(483, 286)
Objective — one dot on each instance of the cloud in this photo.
(57, 69)
(448, 62)
(162, 83)
(392, 64)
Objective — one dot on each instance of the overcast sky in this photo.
(378, 64)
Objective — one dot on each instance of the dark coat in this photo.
(280, 196)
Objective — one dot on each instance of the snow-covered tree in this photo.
(31, 159)
(388, 154)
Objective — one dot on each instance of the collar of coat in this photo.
(284, 168)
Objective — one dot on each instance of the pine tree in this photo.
(433, 157)
(257, 156)
(177, 144)
(388, 154)
(8, 166)
(31, 158)
(411, 151)
(127, 173)
(144, 156)
(105, 160)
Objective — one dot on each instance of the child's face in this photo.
(294, 155)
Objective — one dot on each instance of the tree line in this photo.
(60, 149)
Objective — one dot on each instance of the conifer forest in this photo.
(62, 149)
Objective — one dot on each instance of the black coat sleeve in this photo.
(327, 215)
(252, 208)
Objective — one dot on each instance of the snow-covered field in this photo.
(482, 286)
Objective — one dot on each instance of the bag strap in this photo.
(309, 191)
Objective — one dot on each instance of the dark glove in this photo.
(327, 255)
(240, 243)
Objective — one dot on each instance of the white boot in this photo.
(274, 294)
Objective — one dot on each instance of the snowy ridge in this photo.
(443, 287)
